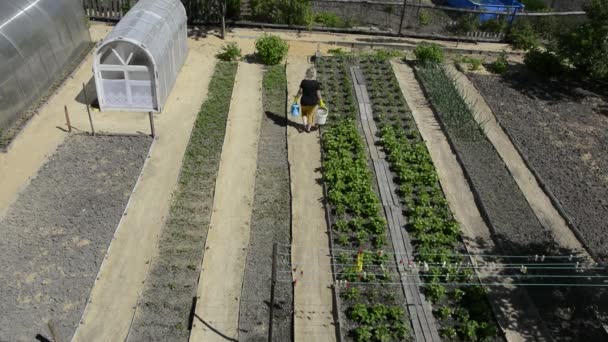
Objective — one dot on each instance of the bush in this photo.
(424, 18)
(291, 12)
(271, 49)
(467, 23)
(545, 63)
(330, 20)
(493, 25)
(500, 65)
(230, 52)
(523, 37)
(428, 54)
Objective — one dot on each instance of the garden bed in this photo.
(55, 236)
(164, 307)
(568, 312)
(372, 307)
(462, 311)
(562, 133)
(270, 221)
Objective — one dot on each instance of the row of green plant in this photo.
(435, 233)
(374, 312)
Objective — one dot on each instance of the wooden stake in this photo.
(54, 334)
(86, 100)
(152, 124)
(67, 118)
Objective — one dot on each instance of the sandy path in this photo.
(221, 279)
(516, 317)
(540, 203)
(313, 308)
(113, 299)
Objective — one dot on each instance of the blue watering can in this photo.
(295, 109)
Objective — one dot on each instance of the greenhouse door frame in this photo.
(126, 70)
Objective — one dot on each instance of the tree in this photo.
(586, 47)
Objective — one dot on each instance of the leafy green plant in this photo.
(424, 18)
(382, 333)
(362, 334)
(435, 292)
(534, 5)
(545, 63)
(501, 64)
(358, 313)
(290, 12)
(351, 294)
(444, 312)
(522, 36)
(271, 49)
(428, 54)
(448, 333)
(329, 19)
(468, 330)
(230, 52)
(343, 239)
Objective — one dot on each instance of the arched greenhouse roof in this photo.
(159, 29)
(38, 40)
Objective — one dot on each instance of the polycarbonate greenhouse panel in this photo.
(137, 64)
(39, 39)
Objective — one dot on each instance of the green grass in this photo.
(172, 281)
(274, 89)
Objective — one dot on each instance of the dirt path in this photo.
(313, 308)
(121, 278)
(517, 319)
(57, 233)
(540, 203)
(219, 290)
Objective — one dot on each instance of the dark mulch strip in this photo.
(54, 237)
(270, 221)
(164, 307)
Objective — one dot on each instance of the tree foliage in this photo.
(291, 12)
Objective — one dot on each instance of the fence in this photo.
(409, 17)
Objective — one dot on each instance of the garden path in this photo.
(310, 258)
(221, 280)
(113, 299)
(540, 203)
(518, 319)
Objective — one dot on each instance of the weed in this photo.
(230, 52)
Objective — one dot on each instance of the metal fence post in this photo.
(275, 252)
(402, 15)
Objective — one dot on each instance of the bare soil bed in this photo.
(562, 133)
(270, 221)
(569, 313)
(55, 236)
(164, 307)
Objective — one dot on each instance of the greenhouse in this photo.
(137, 64)
(39, 39)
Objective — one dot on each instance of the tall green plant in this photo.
(271, 49)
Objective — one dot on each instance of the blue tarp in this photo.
(507, 6)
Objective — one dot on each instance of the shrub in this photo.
(522, 36)
(545, 63)
(329, 19)
(467, 23)
(586, 47)
(493, 25)
(424, 18)
(230, 52)
(271, 49)
(291, 12)
(500, 65)
(428, 54)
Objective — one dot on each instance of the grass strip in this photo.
(164, 306)
(270, 219)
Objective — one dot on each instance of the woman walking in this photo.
(310, 96)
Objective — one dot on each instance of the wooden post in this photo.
(402, 15)
(86, 100)
(152, 124)
(54, 334)
(275, 252)
(67, 118)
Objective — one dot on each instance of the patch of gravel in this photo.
(55, 236)
(270, 222)
(563, 135)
